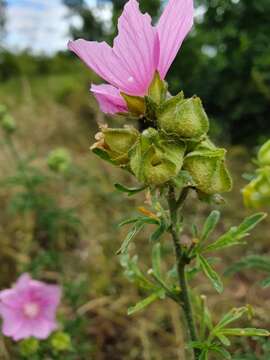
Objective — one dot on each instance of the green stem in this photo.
(182, 262)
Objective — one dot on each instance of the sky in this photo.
(43, 25)
(40, 25)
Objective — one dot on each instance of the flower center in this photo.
(31, 310)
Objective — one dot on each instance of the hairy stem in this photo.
(182, 262)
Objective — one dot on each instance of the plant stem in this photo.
(182, 262)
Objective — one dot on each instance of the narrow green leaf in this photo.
(129, 191)
(198, 345)
(204, 355)
(195, 232)
(251, 222)
(257, 262)
(133, 272)
(230, 317)
(246, 332)
(131, 234)
(157, 234)
(206, 322)
(235, 235)
(210, 224)
(224, 340)
(156, 259)
(143, 304)
(141, 219)
(210, 273)
(221, 351)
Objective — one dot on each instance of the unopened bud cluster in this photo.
(7, 122)
(257, 192)
(175, 142)
(59, 160)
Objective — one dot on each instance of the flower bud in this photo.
(8, 123)
(184, 118)
(60, 341)
(59, 160)
(28, 347)
(155, 160)
(206, 165)
(257, 193)
(264, 154)
(116, 144)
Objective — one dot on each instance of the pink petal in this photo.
(23, 281)
(174, 25)
(12, 320)
(11, 298)
(131, 63)
(109, 99)
(101, 59)
(42, 329)
(137, 47)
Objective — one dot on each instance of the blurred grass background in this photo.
(69, 232)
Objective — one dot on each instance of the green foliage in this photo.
(256, 262)
(218, 335)
(229, 48)
(91, 28)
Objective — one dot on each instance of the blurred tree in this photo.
(91, 28)
(226, 61)
(2, 17)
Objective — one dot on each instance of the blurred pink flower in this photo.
(28, 309)
(138, 51)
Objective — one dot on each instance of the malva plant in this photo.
(172, 157)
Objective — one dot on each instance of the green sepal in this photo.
(135, 104)
(156, 159)
(158, 89)
(113, 145)
(207, 167)
(184, 118)
(151, 109)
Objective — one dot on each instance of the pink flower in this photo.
(28, 309)
(138, 51)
